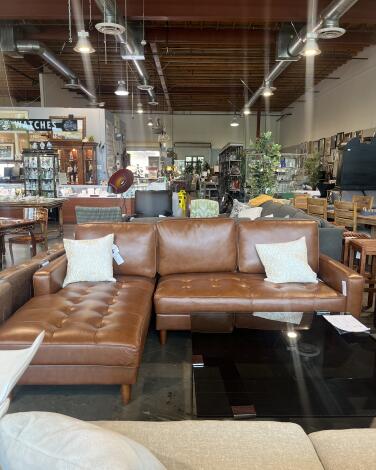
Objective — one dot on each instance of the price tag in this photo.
(116, 255)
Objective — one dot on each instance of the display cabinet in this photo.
(230, 170)
(41, 170)
(77, 160)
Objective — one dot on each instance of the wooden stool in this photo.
(367, 249)
(347, 237)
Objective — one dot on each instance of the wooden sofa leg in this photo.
(163, 337)
(126, 392)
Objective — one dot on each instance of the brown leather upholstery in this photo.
(136, 242)
(196, 246)
(85, 323)
(269, 231)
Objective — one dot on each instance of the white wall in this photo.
(344, 105)
(197, 128)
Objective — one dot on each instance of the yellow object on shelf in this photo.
(182, 195)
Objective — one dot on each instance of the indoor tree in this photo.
(313, 169)
(262, 164)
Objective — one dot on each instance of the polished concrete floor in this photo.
(163, 390)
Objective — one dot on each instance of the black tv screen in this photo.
(357, 166)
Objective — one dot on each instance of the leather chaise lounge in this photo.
(95, 332)
(209, 279)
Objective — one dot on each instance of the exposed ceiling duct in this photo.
(333, 12)
(129, 47)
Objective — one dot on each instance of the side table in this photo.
(367, 263)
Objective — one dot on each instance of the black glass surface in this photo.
(263, 373)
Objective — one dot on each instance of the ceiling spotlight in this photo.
(267, 90)
(234, 122)
(292, 334)
(83, 45)
(311, 47)
(246, 111)
(150, 122)
(121, 90)
(139, 108)
(143, 43)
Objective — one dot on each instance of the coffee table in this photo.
(268, 374)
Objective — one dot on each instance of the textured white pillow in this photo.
(46, 441)
(250, 213)
(89, 260)
(286, 262)
(237, 206)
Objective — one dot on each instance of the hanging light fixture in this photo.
(150, 122)
(246, 111)
(83, 45)
(139, 108)
(234, 122)
(121, 90)
(311, 48)
(268, 90)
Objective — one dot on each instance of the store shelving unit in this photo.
(230, 170)
(41, 169)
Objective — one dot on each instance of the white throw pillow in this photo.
(237, 206)
(89, 260)
(250, 213)
(286, 262)
(46, 441)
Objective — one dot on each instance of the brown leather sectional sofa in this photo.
(203, 274)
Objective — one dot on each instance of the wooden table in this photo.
(9, 206)
(11, 226)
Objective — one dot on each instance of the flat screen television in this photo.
(357, 166)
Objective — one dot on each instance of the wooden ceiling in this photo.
(205, 49)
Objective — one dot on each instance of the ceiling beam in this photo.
(158, 66)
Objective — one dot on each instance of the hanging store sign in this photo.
(34, 125)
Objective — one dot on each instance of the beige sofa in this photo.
(250, 445)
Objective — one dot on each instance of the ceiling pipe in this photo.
(111, 15)
(38, 48)
(334, 10)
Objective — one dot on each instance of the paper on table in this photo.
(346, 323)
(286, 317)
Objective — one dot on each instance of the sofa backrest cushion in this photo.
(251, 233)
(136, 243)
(196, 246)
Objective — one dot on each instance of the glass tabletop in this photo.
(315, 372)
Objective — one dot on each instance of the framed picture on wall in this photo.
(333, 141)
(316, 146)
(340, 137)
(68, 128)
(7, 152)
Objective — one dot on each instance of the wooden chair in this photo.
(317, 207)
(40, 215)
(346, 215)
(301, 202)
(363, 202)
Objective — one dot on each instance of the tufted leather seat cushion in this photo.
(86, 323)
(240, 293)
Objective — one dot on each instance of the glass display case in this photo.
(41, 169)
(77, 160)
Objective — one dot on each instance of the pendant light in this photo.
(234, 122)
(267, 90)
(83, 45)
(139, 108)
(121, 89)
(246, 111)
(311, 48)
(150, 122)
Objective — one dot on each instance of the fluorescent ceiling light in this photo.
(121, 90)
(83, 45)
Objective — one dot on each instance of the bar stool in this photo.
(367, 263)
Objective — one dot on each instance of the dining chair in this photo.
(317, 207)
(300, 202)
(363, 202)
(346, 215)
(40, 215)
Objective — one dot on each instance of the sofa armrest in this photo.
(50, 278)
(333, 273)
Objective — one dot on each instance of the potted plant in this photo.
(313, 169)
(261, 166)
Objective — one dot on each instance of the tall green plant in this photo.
(262, 165)
(313, 169)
